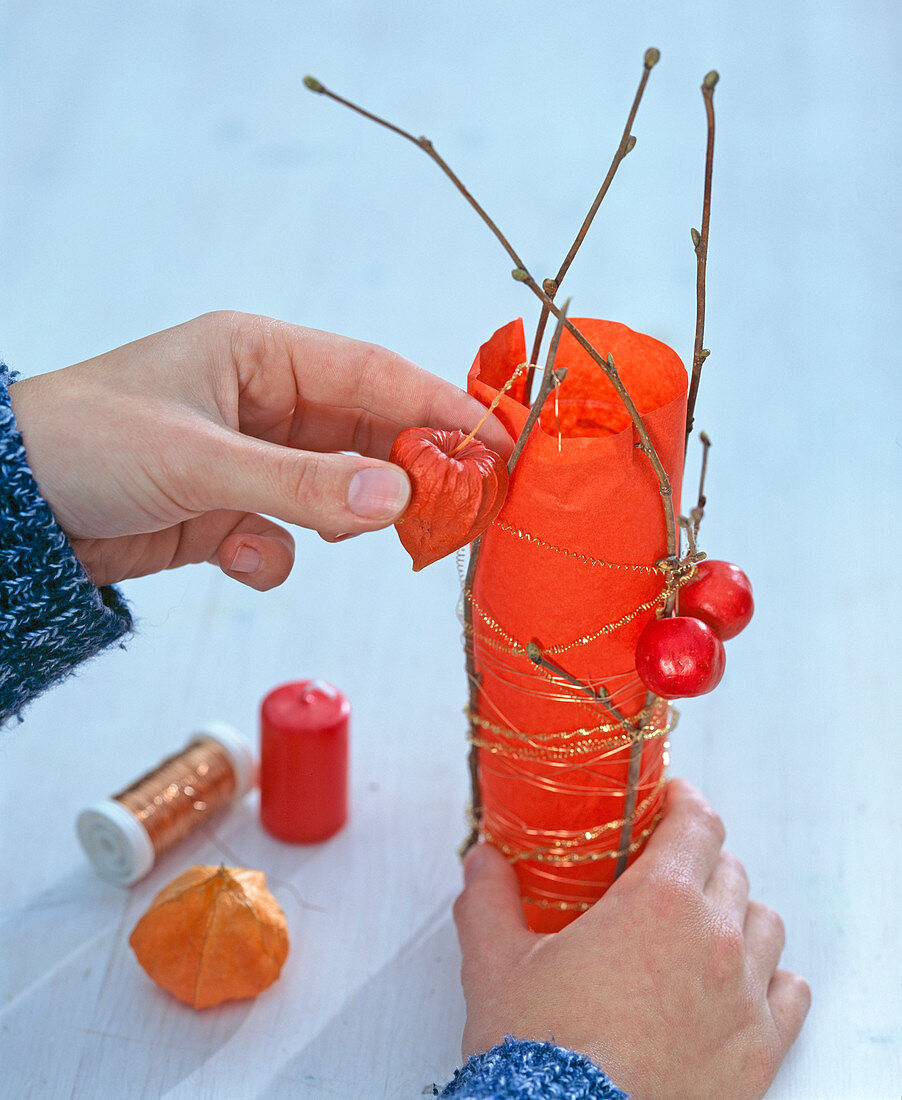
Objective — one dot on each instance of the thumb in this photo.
(332, 493)
(488, 914)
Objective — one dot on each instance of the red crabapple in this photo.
(679, 656)
(721, 596)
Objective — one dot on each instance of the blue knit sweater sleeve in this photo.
(527, 1070)
(52, 616)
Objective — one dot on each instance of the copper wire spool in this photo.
(124, 835)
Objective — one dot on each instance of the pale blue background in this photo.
(162, 159)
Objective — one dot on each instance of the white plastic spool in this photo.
(116, 842)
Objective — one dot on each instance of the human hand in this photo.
(669, 983)
(166, 451)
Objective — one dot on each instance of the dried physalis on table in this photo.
(213, 934)
(457, 488)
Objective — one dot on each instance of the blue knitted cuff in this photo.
(527, 1070)
(52, 616)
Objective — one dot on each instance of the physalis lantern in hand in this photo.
(457, 486)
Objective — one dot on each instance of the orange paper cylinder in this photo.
(569, 564)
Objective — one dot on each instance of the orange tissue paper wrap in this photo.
(569, 564)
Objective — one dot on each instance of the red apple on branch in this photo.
(679, 656)
(721, 596)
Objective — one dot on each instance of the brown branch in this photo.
(636, 745)
(474, 681)
(429, 149)
(692, 523)
(600, 695)
(629, 804)
(627, 144)
(706, 445)
(551, 379)
(700, 241)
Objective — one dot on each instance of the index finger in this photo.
(690, 835)
(336, 370)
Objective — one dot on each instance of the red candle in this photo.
(304, 761)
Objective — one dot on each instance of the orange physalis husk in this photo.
(454, 497)
(213, 934)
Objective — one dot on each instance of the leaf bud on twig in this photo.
(667, 565)
(630, 145)
(313, 84)
(520, 275)
(652, 57)
(711, 79)
(550, 287)
(696, 237)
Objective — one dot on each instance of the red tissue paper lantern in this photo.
(568, 570)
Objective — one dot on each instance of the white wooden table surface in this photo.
(162, 159)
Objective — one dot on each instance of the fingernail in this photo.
(378, 492)
(472, 862)
(338, 538)
(246, 560)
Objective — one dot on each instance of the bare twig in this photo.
(706, 444)
(429, 149)
(627, 144)
(521, 274)
(600, 695)
(700, 241)
(636, 744)
(691, 524)
(474, 682)
(551, 378)
(629, 803)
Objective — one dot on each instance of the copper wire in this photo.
(181, 793)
